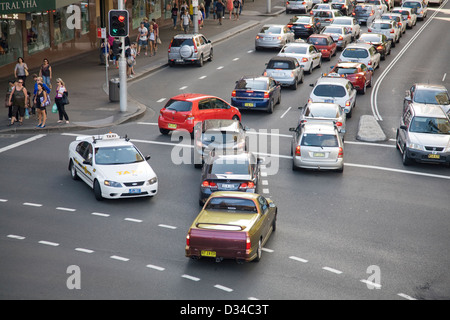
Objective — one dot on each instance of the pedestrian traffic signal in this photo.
(118, 23)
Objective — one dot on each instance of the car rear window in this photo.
(329, 90)
(332, 30)
(182, 42)
(356, 53)
(340, 70)
(294, 49)
(229, 166)
(179, 105)
(363, 9)
(231, 204)
(346, 22)
(252, 84)
(318, 41)
(301, 20)
(430, 125)
(273, 64)
(319, 140)
(380, 25)
(370, 38)
(323, 14)
(269, 30)
(404, 13)
(322, 112)
(411, 4)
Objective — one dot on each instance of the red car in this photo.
(184, 110)
(356, 72)
(324, 43)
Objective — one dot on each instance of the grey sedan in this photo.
(341, 35)
(285, 70)
(273, 36)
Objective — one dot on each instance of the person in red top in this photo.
(156, 30)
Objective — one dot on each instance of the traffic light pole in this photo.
(123, 70)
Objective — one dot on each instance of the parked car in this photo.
(345, 6)
(181, 112)
(356, 72)
(365, 13)
(273, 36)
(324, 112)
(218, 135)
(424, 93)
(334, 90)
(380, 41)
(317, 146)
(256, 93)
(409, 15)
(397, 17)
(387, 27)
(324, 43)
(304, 26)
(190, 48)
(226, 171)
(112, 166)
(326, 17)
(361, 52)
(307, 55)
(341, 35)
(298, 5)
(348, 22)
(287, 71)
(232, 225)
(421, 8)
(424, 135)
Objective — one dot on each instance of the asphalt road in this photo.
(334, 231)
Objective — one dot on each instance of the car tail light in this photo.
(400, 24)
(311, 12)
(310, 100)
(303, 3)
(380, 48)
(392, 30)
(190, 117)
(290, 25)
(347, 103)
(308, 26)
(339, 124)
(195, 47)
(297, 151)
(279, 38)
(170, 45)
(248, 244)
(257, 37)
(233, 94)
(409, 17)
(247, 185)
(372, 13)
(209, 184)
(341, 153)
(292, 74)
(354, 14)
(304, 59)
(340, 38)
(188, 239)
(287, 2)
(266, 95)
(265, 74)
(369, 30)
(370, 63)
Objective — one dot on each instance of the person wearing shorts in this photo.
(142, 38)
(18, 100)
(236, 8)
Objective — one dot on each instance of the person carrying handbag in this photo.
(61, 100)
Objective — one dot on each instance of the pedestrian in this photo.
(36, 81)
(156, 29)
(207, 8)
(186, 21)
(230, 7)
(142, 39)
(219, 10)
(116, 50)
(151, 40)
(40, 101)
(183, 9)
(200, 17)
(8, 93)
(237, 6)
(61, 100)
(18, 100)
(21, 70)
(174, 15)
(46, 73)
(130, 53)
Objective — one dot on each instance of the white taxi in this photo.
(307, 55)
(112, 166)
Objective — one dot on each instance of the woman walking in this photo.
(230, 7)
(21, 70)
(60, 100)
(18, 100)
(174, 15)
(40, 102)
(46, 73)
(152, 40)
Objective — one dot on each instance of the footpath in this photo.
(85, 76)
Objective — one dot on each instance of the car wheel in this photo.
(200, 61)
(97, 191)
(295, 84)
(279, 99)
(164, 131)
(274, 223)
(364, 89)
(405, 159)
(258, 251)
(73, 171)
(270, 107)
(310, 68)
(320, 63)
(392, 44)
(341, 169)
(211, 55)
(235, 118)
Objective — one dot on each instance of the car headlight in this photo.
(153, 180)
(415, 146)
(113, 184)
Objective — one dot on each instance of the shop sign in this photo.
(15, 6)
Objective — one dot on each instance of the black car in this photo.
(304, 26)
(379, 41)
(218, 134)
(227, 171)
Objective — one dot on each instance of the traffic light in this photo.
(118, 23)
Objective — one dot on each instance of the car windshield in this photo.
(273, 64)
(302, 20)
(370, 38)
(319, 140)
(333, 30)
(329, 90)
(231, 204)
(432, 97)
(230, 166)
(411, 4)
(182, 42)
(347, 70)
(346, 22)
(270, 30)
(117, 155)
(294, 49)
(179, 105)
(318, 41)
(252, 84)
(381, 25)
(322, 112)
(430, 125)
(355, 53)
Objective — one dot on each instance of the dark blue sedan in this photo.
(259, 93)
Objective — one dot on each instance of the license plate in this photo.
(434, 156)
(134, 191)
(172, 126)
(179, 60)
(328, 100)
(318, 154)
(205, 253)
(267, 38)
(249, 104)
(227, 186)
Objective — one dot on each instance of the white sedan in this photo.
(112, 166)
(350, 23)
(307, 55)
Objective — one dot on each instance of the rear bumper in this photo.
(220, 254)
(246, 104)
(269, 44)
(165, 124)
(320, 165)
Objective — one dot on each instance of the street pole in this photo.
(195, 6)
(122, 70)
(269, 5)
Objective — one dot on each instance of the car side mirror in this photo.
(259, 160)
(403, 127)
(147, 157)
(293, 129)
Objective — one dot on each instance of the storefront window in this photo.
(61, 32)
(10, 41)
(139, 12)
(38, 35)
(84, 17)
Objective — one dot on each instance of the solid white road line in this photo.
(18, 144)
(332, 270)
(406, 296)
(183, 87)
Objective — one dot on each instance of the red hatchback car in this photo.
(324, 43)
(356, 72)
(184, 110)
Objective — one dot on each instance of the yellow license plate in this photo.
(172, 126)
(206, 253)
(249, 104)
(318, 154)
(434, 156)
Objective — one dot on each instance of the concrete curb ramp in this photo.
(369, 130)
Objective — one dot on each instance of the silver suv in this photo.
(190, 48)
(424, 135)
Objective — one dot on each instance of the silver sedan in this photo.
(341, 35)
(323, 112)
(273, 36)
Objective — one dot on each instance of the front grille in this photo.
(134, 194)
(134, 184)
(434, 149)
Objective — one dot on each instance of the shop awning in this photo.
(24, 6)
